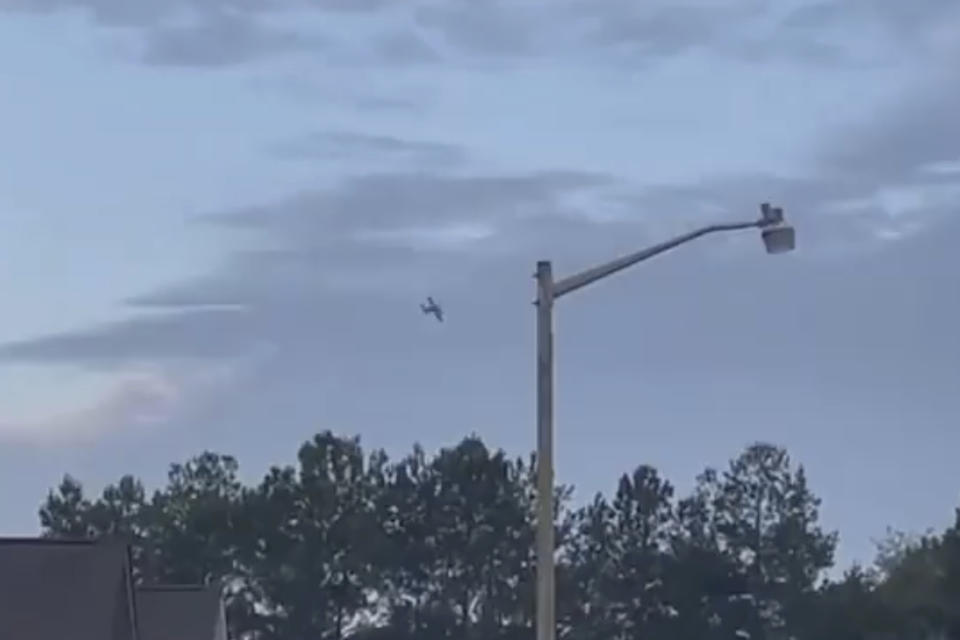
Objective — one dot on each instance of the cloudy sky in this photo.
(217, 220)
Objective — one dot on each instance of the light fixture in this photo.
(778, 236)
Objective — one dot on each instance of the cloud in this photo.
(332, 292)
(205, 333)
(878, 32)
(128, 394)
(806, 31)
(222, 39)
(451, 237)
(343, 145)
(668, 29)
(404, 47)
(908, 22)
(489, 28)
(133, 401)
(359, 99)
(386, 234)
(397, 200)
(919, 130)
(119, 12)
(222, 33)
(332, 258)
(194, 33)
(587, 28)
(347, 259)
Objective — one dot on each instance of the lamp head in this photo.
(777, 235)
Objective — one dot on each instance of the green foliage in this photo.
(767, 521)
(346, 544)
(922, 590)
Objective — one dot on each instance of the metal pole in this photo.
(546, 590)
(565, 285)
(549, 290)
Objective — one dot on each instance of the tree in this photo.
(311, 528)
(193, 537)
(921, 589)
(121, 510)
(460, 533)
(590, 556)
(767, 519)
(187, 533)
(706, 584)
(347, 545)
(851, 609)
(620, 553)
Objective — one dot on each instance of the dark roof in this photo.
(178, 613)
(56, 589)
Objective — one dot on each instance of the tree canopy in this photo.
(349, 544)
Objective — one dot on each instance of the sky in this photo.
(217, 220)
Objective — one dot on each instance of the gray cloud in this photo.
(348, 262)
(878, 32)
(583, 28)
(106, 12)
(344, 145)
(180, 335)
(136, 400)
(359, 97)
(908, 20)
(404, 47)
(380, 239)
(921, 129)
(390, 103)
(118, 12)
(811, 31)
(341, 253)
(330, 284)
(668, 29)
(355, 242)
(237, 31)
(488, 28)
(402, 200)
(627, 30)
(218, 33)
(221, 40)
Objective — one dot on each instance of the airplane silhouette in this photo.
(432, 308)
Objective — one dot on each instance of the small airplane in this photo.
(433, 308)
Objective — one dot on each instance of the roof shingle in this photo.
(178, 613)
(55, 589)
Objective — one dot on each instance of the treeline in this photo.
(347, 544)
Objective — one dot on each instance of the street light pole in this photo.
(546, 590)
(778, 237)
